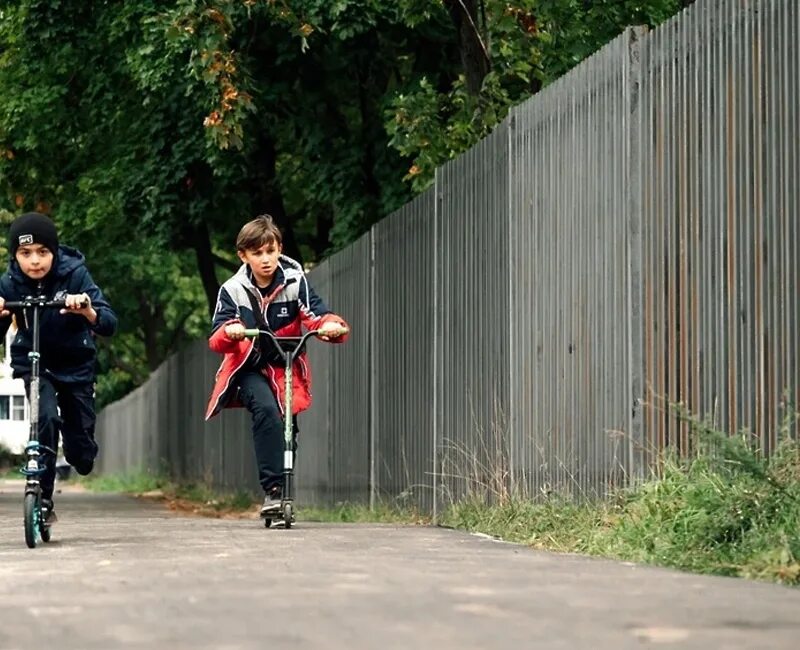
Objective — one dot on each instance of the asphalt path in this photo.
(127, 573)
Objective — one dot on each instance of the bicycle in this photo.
(36, 528)
(289, 347)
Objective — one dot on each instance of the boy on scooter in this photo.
(269, 292)
(38, 265)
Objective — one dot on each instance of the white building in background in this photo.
(14, 425)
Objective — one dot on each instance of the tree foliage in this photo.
(152, 130)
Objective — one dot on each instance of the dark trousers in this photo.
(76, 424)
(257, 397)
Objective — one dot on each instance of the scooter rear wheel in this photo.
(32, 516)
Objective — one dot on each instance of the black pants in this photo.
(257, 397)
(76, 423)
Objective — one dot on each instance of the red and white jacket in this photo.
(290, 306)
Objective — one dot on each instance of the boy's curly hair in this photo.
(254, 234)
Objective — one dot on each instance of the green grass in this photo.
(142, 483)
(358, 513)
(726, 511)
(139, 483)
(10, 473)
(238, 501)
(129, 483)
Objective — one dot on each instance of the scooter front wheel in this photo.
(287, 515)
(32, 517)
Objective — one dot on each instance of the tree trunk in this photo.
(322, 234)
(268, 198)
(152, 324)
(474, 56)
(201, 242)
(372, 188)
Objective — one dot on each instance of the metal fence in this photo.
(625, 239)
(403, 353)
(720, 175)
(571, 322)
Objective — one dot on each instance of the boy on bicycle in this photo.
(269, 292)
(38, 265)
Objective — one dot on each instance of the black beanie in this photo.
(32, 228)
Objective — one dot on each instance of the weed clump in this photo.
(726, 509)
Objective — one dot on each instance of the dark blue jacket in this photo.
(66, 341)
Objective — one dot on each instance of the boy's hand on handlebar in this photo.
(79, 303)
(3, 311)
(331, 331)
(235, 331)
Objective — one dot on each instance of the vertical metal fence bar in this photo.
(436, 351)
(510, 333)
(372, 358)
(636, 310)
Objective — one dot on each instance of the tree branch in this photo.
(177, 332)
(476, 30)
(225, 264)
(474, 55)
(136, 373)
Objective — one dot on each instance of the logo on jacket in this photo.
(284, 311)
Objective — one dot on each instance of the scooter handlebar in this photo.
(253, 332)
(288, 344)
(37, 302)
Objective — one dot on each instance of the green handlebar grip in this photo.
(251, 332)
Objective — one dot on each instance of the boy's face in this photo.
(263, 261)
(35, 260)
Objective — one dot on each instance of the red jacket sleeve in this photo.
(219, 341)
(329, 318)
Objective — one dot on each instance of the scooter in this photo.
(289, 347)
(36, 528)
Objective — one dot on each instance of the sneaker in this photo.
(48, 512)
(272, 502)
